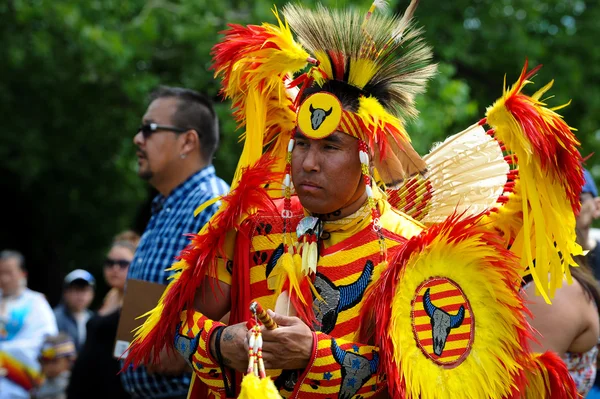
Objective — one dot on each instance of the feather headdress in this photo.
(376, 65)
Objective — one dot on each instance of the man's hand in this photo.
(170, 363)
(289, 346)
(234, 346)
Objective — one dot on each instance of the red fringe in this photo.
(201, 255)
(552, 140)
(304, 312)
(558, 381)
(240, 287)
(561, 382)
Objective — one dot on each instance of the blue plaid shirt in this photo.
(172, 218)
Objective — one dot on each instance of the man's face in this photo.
(327, 173)
(158, 154)
(78, 298)
(12, 277)
(590, 210)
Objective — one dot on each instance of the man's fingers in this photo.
(269, 358)
(282, 320)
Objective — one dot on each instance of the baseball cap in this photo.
(589, 186)
(81, 276)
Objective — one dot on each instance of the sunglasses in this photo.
(148, 129)
(122, 263)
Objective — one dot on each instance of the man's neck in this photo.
(167, 185)
(12, 294)
(346, 210)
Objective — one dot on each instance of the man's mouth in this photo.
(309, 186)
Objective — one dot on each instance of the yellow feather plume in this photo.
(256, 388)
(546, 241)
(374, 115)
(493, 306)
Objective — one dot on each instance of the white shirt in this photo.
(25, 321)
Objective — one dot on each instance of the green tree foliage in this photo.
(75, 76)
(487, 39)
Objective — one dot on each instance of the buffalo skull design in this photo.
(317, 116)
(441, 323)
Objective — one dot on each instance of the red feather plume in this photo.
(201, 256)
(551, 138)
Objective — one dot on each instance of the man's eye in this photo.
(300, 144)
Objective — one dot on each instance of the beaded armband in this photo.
(192, 341)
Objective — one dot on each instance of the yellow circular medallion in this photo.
(319, 115)
(442, 321)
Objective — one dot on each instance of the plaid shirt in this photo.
(172, 218)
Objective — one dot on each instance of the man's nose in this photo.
(138, 139)
(311, 162)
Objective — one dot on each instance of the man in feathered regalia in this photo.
(390, 274)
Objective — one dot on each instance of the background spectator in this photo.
(25, 320)
(575, 307)
(590, 211)
(56, 358)
(95, 371)
(176, 143)
(72, 314)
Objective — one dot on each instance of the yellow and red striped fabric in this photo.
(342, 262)
(449, 297)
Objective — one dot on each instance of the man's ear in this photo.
(190, 142)
(596, 214)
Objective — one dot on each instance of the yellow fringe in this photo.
(376, 117)
(256, 388)
(206, 204)
(548, 224)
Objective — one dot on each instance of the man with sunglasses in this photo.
(175, 145)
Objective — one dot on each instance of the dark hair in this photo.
(12, 254)
(194, 111)
(584, 276)
(128, 239)
(347, 94)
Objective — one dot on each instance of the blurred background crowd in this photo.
(75, 80)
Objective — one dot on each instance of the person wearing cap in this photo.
(56, 357)
(72, 313)
(26, 319)
(391, 275)
(590, 211)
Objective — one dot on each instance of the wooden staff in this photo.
(263, 316)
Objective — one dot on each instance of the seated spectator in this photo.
(25, 320)
(58, 354)
(73, 313)
(95, 371)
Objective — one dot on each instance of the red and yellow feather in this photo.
(549, 177)
(199, 259)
